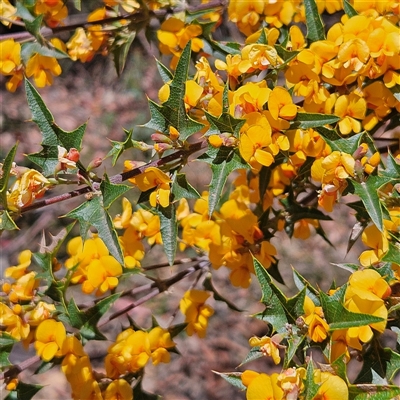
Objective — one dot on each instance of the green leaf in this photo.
(6, 344)
(77, 4)
(274, 313)
(286, 55)
(120, 49)
(182, 189)
(26, 391)
(302, 283)
(311, 388)
(119, 147)
(315, 27)
(368, 193)
(294, 346)
(52, 134)
(338, 317)
(5, 175)
(175, 330)
(92, 316)
(165, 73)
(393, 365)
(45, 49)
(336, 142)
(312, 120)
(111, 191)
(75, 316)
(349, 9)
(208, 285)
(374, 392)
(253, 354)
(392, 169)
(169, 231)
(23, 12)
(234, 378)
(92, 213)
(173, 112)
(224, 123)
(6, 222)
(392, 255)
(223, 161)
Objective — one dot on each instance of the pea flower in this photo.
(10, 63)
(314, 318)
(261, 386)
(118, 389)
(196, 312)
(331, 387)
(50, 336)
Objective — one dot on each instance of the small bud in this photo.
(160, 138)
(361, 151)
(173, 133)
(161, 147)
(73, 154)
(95, 163)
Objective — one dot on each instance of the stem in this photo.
(16, 369)
(119, 178)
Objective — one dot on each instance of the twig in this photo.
(16, 369)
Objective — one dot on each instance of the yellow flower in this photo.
(50, 336)
(7, 11)
(261, 386)
(258, 57)
(54, 11)
(332, 387)
(269, 346)
(80, 46)
(24, 288)
(350, 108)
(196, 312)
(118, 389)
(41, 312)
(160, 341)
(13, 323)
(378, 241)
(24, 259)
(280, 104)
(28, 187)
(10, 63)
(317, 326)
(291, 381)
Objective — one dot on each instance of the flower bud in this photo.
(95, 163)
(160, 138)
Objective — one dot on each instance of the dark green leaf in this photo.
(295, 345)
(44, 367)
(348, 267)
(92, 213)
(76, 316)
(119, 147)
(274, 313)
(315, 27)
(46, 49)
(349, 9)
(368, 192)
(311, 388)
(111, 192)
(308, 120)
(225, 123)
(302, 283)
(120, 49)
(165, 73)
(5, 174)
(252, 355)
(286, 55)
(392, 169)
(169, 231)
(182, 189)
(392, 255)
(92, 316)
(23, 12)
(208, 285)
(6, 222)
(26, 391)
(223, 161)
(6, 344)
(348, 145)
(338, 317)
(175, 330)
(234, 378)
(374, 392)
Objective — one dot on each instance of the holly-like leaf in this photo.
(252, 355)
(120, 49)
(6, 344)
(310, 120)
(26, 391)
(392, 169)
(311, 388)
(44, 48)
(75, 316)
(315, 27)
(33, 27)
(392, 255)
(373, 392)
(182, 189)
(234, 378)
(173, 112)
(294, 346)
(349, 9)
(223, 161)
(6, 222)
(337, 143)
(274, 312)
(92, 213)
(224, 123)
(111, 191)
(92, 316)
(208, 285)
(165, 73)
(302, 283)
(52, 134)
(368, 193)
(338, 317)
(169, 231)
(5, 174)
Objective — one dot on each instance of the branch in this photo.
(119, 178)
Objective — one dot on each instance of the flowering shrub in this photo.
(292, 118)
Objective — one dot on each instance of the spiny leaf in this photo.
(310, 120)
(368, 193)
(182, 189)
(169, 231)
(392, 169)
(111, 191)
(165, 73)
(311, 388)
(315, 27)
(349, 9)
(336, 142)
(224, 123)
(274, 312)
(5, 174)
(234, 378)
(6, 222)
(119, 147)
(208, 285)
(121, 48)
(223, 161)
(92, 213)
(6, 344)
(302, 283)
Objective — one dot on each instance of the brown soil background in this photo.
(93, 93)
